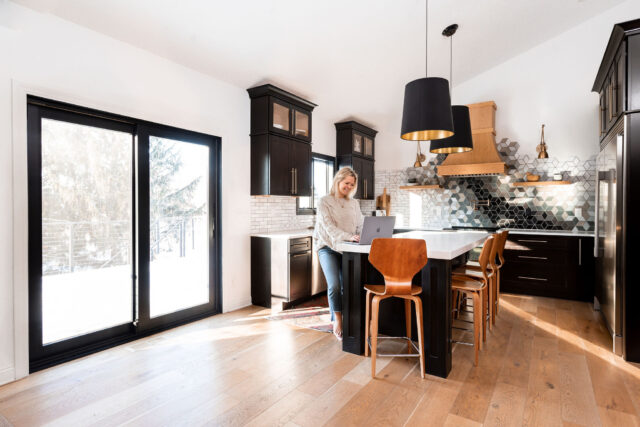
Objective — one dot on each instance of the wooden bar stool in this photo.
(475, 270)
(500, 242)
(476, 288)
(398, 260)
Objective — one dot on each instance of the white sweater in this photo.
(337, 220)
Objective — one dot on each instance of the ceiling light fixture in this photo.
(462, 140)
(426, 114)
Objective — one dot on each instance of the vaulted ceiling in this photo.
(355, 55)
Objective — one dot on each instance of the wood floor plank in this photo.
(360, 406)
(606, 380)
(457, 421)
(282, 411)
(435, 405)
(325, 379)
(319, 411)
(543, 404)
(399, 405)
(507, 406)
(612, 418)
(578, 400)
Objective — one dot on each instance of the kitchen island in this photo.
(435, 278)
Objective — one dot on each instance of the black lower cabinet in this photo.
(280, 268)
(549, 266)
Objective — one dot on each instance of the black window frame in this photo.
(324, 158)
(40, 356)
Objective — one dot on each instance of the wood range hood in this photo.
(484, 159)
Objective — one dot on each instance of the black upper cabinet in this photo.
(618, 78)
(355, 147)
(355, 138)
(277, 111)
(280, 142)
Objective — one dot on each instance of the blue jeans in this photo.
(331, 263)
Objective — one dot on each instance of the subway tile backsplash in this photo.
(467, 201)
(277, 213)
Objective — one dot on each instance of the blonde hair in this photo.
(343, 174)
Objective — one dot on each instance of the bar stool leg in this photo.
(494, 290)
(484, 312)
(478, 315)
(418, 303)
(375, 307)
(407, 316)
(367, 323)
(497, 290)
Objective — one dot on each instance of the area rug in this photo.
(318, 318)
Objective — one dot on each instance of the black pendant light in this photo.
(426, 114)
(462, 140)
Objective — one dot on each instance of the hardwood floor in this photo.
(547, 362)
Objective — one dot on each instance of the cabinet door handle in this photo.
(296, 169)
(579, 252)
(532, 257)
(293, 181)
(532, 241)
(532, 278)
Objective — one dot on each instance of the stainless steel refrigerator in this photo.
(617, 230)
(608, 231)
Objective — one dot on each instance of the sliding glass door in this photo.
(122, 218)
(175, 167)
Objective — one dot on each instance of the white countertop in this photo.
(440, 244)
(291, 234)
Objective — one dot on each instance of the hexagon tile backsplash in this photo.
(493, 200)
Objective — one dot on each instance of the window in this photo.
(322, 168)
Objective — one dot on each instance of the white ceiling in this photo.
(355, 55)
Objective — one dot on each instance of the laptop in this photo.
(375, 227)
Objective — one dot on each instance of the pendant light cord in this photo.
(426, 43)
(451, 66)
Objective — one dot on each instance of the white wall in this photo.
(54, 58)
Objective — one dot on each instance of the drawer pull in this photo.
(532, 241)
(533, 278)
(532, 257)
(299, 255)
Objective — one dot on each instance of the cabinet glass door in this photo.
(357, 143)
(302, 124)
(281, 116)
(368, 147)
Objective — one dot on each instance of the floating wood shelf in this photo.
(539, 183)
(419, 187)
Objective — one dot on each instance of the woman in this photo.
(338, 219)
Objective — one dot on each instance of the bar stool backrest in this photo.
(503, 236)
(484, 259)
(494, 252)
(398, 260)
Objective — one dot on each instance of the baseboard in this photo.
(236, 305)
(7, 375)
